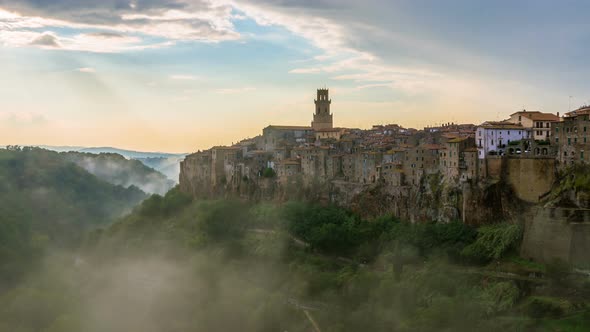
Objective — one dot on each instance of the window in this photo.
(569, 141)
(584, 129)
(582, 155)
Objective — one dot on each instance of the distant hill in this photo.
(46, 199)
(169, 166)
(165, 163)
(116, 169)
(131, 154)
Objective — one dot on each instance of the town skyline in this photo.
(180, 75)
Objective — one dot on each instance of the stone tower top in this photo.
(322, 118)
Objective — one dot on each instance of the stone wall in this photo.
(493, 165)
(530, 178)
(558, 234)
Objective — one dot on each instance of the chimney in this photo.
(558, 114)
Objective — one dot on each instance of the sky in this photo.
(184, 75)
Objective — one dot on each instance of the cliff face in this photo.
(443, 202)
(432, 200)
(552, 234)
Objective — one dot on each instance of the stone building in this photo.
(222, 162)
(288, 169)
(328, 134)
(393, 174)
(274, 137)
(452, 161)
(469, 167)
(571, 137)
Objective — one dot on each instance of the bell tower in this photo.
(322, 118)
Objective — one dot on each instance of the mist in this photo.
(120, 171)
(177, 264)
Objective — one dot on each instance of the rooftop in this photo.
(500, 125)
(584, 110)
(537, 116)
(277, 127)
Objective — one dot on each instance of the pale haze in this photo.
(182, 75)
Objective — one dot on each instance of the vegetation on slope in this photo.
(572, 189)
(176, 264)
(46, 199)
(118, 170)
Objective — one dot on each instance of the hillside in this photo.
(165, 163)
(169, 166)
(45, 199)
(181, 265)
(118, 170)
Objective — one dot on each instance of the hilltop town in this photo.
(524, 151)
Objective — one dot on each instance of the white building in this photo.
(492, 138)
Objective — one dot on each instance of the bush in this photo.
(500, 297)
(494, 241)
(269, 173)
(172, 202)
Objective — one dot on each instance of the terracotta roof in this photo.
(537, 116)
(457, 140)
(432, 147)
(584, 110)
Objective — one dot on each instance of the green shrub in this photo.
(494, 241)
(269, 173)
(500, 297)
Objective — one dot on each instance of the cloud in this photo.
(116, 25)
(47, 39)
(184, 77)
(107, 35)
(234, 90)
(87, 70)
(22, 118)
